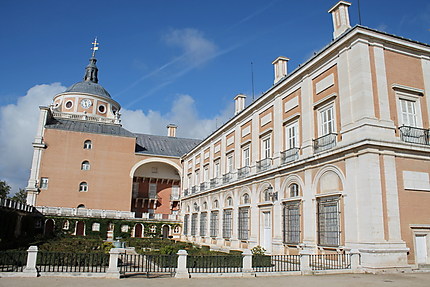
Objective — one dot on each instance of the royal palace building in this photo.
(334, 157)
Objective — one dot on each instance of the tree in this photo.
(4, 189)
(20, 196)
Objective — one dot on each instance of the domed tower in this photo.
(87, 100)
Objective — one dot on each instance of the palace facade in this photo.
(334, 157)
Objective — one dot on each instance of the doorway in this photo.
(421, 248)
(266, 231)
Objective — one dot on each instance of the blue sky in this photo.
(166, 60)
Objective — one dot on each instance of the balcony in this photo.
(195, 189)
(290, 155)
(215, 182)
(204, 186)
(174, 197)
(415, 135)
(243, 172)
(325, 142)
(228, 177)
(186, 192)
(264, 164)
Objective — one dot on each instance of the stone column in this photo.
(181, 270)
(30, 270)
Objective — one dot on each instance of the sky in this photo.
(165, 61)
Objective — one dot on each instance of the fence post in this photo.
(247, 262)
(113, 270)
(30, 270)
(181, 270)
(355, 259)
(305, 266)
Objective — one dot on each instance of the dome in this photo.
(88, 87)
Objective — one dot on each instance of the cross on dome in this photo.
(94, 47)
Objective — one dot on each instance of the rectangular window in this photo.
(328, 221)
(245, 156)
(292, 135)
(266, 147)
(214, 224)
(206, 173)
(243, 226)
(408, 113)
(44, 183)
(194, 224)
(203, 216)
(327, 121)
(291, 222)
(186, 223)
(229, 163)
(197, 177)
(227, 223)
(175, 192)
(217, 169)
(190, 183)
(152, 190)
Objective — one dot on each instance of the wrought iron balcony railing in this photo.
(243, 172)
(290, 155)
(228, 177)
(204, 186)
(194, 189)
(415, 135)
(325, 142)
(264, 164)
(215, 182)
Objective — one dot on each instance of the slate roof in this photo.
(87, 127)
(164, 145)
(145, 144)
(88, 88)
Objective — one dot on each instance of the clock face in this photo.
(86, 103)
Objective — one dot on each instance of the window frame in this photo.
(412, 98)
(246, 156)
(44, 182)
(291, 217)
(266, 147)
(292, 141)
(329, 221)
(227, 223)
(330, 123)
(243, 223)
(83, 186)
(88, 144)
(85, 165)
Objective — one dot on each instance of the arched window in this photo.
(245, 199)
(83, 186)
(196, 207)
(66, 225)
(294, 190)
(88, 144)
(205, 205)
(229, 201)
(81, 206)
(85, 165)
(215, 205)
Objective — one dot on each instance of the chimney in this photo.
(239, 103)
(171, 130)
(280, 66)
(340, 16)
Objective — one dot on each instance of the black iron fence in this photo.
(147, 264)
(415, 135)
(214, 263)
(72, 262)
(325, 142)
(275, 263)
(12, 261)
(330, 261)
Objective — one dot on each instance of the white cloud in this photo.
(196, 48)
(18, 124)
(183, 113)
